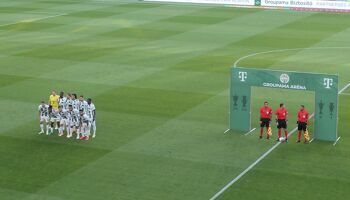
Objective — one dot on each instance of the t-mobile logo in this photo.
(328, 82)
(242, 76)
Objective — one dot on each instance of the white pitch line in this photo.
(252, 165)
(250, 131)
(227, 130)
(336, 141)
(263, 156)
(283, 50)
(311, 140)
(33, 20)
(249, 168)
(344, 88)
(278, 143)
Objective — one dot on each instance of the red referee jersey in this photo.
(265, 112)
(281, 113)
(303, 116)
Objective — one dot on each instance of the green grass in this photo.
(159, 76)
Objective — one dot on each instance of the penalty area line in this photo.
(227, 130)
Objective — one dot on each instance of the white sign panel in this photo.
(341, 5)
(226, 2)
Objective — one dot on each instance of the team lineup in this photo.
(282, 121)
(68, 114)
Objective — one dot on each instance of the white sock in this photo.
(47, 128)
(42, 127)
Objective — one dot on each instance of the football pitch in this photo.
(159, 74)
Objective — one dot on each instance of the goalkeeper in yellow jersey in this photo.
(54, 100)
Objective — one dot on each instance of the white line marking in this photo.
(227, 130)
(250, 131)
(278, 143)
(336, 141)
(249, 168)
(344, 88)
(252, 165)
(347, 94)
(32, 20)
(311, 140)
(283, 50)
(264, 155)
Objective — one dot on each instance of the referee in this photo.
(303, 117)
(282, 120)
(265, 118)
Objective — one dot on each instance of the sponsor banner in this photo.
(324, 86)
(342, 5)
(226, 2)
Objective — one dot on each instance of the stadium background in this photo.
(159, 74)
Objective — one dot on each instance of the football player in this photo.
(91, 110)
(73, 121)
(54, 118)
(53, 100)
(75, 102)
(44, 117)
(64, 121)
(84, 125)
(69, 101)
(82, 105)
(62, 100)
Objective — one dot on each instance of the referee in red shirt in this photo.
(303, 117)
(281, 120)
(265, 118)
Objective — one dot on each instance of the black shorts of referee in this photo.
(265, 122)
(282, 123)
(302, 126)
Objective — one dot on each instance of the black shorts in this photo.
(265, 122)
(302, 126)
(281, 123)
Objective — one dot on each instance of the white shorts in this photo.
(84, 124)
(54, 119)
(44, 119)
(64, 121)
(92, 123)
(73, 123)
